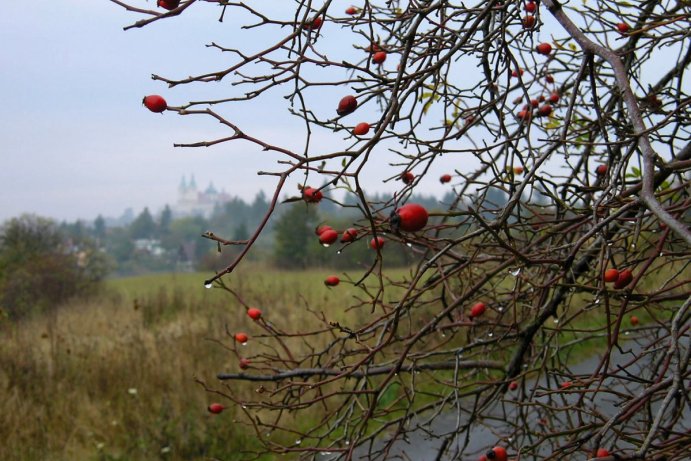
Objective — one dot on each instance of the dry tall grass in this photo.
(114, 378)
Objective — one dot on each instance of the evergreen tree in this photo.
(100, 227)
(143, 226)
(294, 231)
(165, 219)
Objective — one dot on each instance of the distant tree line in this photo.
(44, 263)
(41, 266)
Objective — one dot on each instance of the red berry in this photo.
(351, 10)
(544, 111)
(518, 170)
(601, 453)
(633, 320)
(601, 170)
(554, 97)
(516, 73)
(377, 243)
(497, 454)
(155, 103)
(254, 313)
(328, 237)
(549, 78)
(528, 21)
(311, 195)
(411, 217)
(611, 275)
(622, 27)
(349, 235)
(445, 178)
(534, 102)
(168, 4)
(361, 129)
(379, 57)
(625, 277)
(407, 177)
(244, 363)
(478, 309)
(241, 337)
(373, 48)
(346, 105)
(530, 7)
(482, 458)
(513, 385)
(565, 384)
(216, 408)
(316, 23)
(321, 228)
(544, 48)
(525, 115)
(332, 281)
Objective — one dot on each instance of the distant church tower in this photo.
(192, 201)
(188, 197)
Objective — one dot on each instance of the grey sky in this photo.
(77, 142)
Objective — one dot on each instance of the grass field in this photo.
(115, 377)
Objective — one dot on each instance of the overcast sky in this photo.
(75, 138)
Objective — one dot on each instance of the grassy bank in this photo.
(115, 377)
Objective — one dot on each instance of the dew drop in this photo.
(661, 254)
(268, 434)
(556, 320)
(609, 244)
(597, 300)
(410, 245)
(339, 252)
(626, 333)
(244, 407)
(208, 285)
(500, 309)
(490, 334)
(298, 442)
(243, 344)
(327, 453)
(443, 335)
(347, 442)
(326, 245)
(633, 245)
(515, 272)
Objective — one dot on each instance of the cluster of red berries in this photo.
(619, 278)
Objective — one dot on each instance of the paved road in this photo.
(423, 443)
